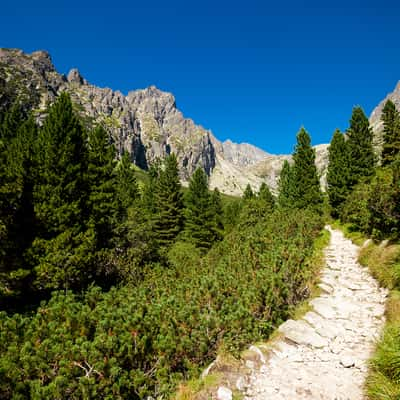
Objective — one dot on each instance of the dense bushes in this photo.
(373, 206)
(140, 340)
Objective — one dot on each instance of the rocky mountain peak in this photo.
(242, 154)
(74, 76)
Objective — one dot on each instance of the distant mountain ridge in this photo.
(147, 123)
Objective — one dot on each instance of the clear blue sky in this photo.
(252, 71)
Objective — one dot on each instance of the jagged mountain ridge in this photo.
(147, 123)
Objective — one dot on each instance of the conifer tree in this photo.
(391, 131)
(168, 200)
(63, 248)
(308, 190)
(16, 209)
(265, 195)
(361, 152)
(102, 205)
(286, 186)
(248, 192)
(200, 212)
(338, 172)
(148, 193)
(127, 186)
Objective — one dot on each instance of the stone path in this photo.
(324, 355)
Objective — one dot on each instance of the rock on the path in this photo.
(224, 393)
(300, 332)
(347, 361)
(323, 307)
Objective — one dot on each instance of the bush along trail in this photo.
(325, 354)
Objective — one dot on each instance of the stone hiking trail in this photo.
(325, 354)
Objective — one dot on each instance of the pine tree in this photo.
(308, 190)
(127, 186)
(148, 192)
(361, 152)
(200, 212)
(391, 130)
(63, 248)
(168, 200)
(286, 186)
(338, 172)
(248, 193)
(16, 210)
(265, 195)
(102, 206)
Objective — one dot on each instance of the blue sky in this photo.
(252, 71)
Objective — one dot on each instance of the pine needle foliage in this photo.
(360, 148)
(338, 173)
(306, 187)
(202, 223)
(168, 202)
(286, 186)
(391, 133)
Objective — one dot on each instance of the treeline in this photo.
(142, 282)
(363, 185)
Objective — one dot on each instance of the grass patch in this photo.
(224, 373)
(383, 382)
(383, 263)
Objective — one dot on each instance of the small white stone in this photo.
(224, 393)
(347, 361)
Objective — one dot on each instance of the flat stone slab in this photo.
(301, 333)
(323, 307)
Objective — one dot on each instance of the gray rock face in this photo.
(243, 154)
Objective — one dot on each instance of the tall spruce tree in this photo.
(200, 212)
(16, 208)
(63, 248)
(286, 186)
(391, 133)
(168, 200)
(127, 186)
(308, 190)
(248, 192)
(265, 195)
(361, 151)
(338, 172)
(102, 206)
